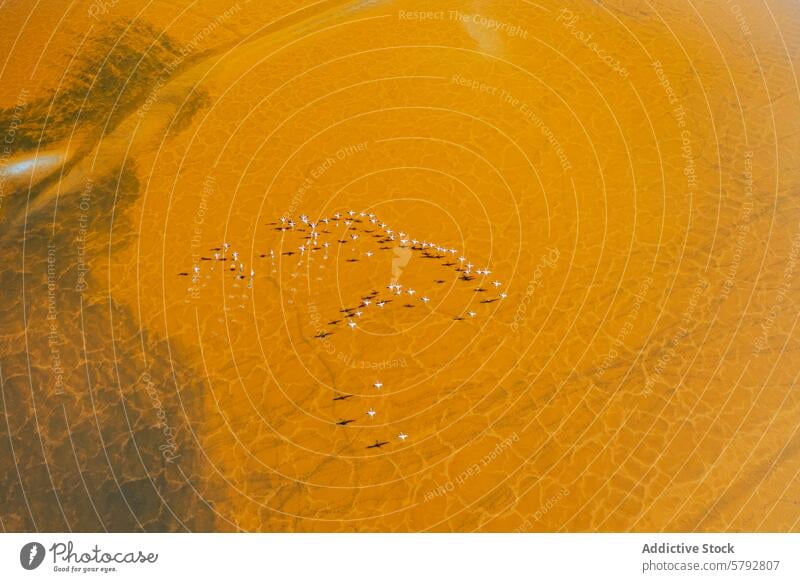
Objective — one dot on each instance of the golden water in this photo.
(626, 170)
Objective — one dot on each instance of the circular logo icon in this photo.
(31, 555)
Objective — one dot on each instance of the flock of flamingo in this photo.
(351, 228)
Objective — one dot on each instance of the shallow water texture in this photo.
(399, 266)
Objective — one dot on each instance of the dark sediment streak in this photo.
(94, 434)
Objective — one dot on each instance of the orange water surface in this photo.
(595, 206)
